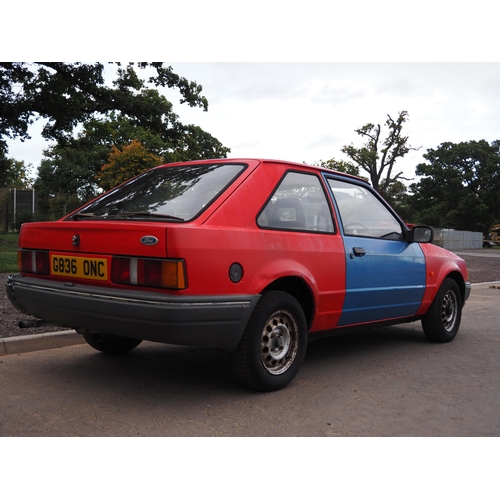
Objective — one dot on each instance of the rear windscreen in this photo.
(176, 193)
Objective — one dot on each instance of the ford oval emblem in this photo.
(149, 240)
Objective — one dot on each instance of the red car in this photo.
(255, 257)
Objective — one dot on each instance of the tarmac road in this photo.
(389, 382)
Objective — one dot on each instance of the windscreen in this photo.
(176, 193)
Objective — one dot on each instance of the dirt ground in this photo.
(481, 269)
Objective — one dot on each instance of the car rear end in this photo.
(107, 267)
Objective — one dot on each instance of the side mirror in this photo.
(422, 234)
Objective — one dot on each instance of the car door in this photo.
(385, 273)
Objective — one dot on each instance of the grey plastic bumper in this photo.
(467, 290)
(211, 321)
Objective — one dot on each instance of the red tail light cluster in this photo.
(149, 272)
(33, 261)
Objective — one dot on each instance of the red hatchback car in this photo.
(255, 257)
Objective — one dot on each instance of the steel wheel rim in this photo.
(449, 310)
(279, 342)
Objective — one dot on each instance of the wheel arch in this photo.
(298, 288)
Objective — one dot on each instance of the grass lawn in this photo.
(8, 252)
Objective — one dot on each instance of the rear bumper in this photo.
(207, 321)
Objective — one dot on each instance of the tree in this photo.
(14, 174)
(71, 93)
(73, 166)
(397, 196)
(66, 175)
(377, 157)
(126, 163)
(58, 187)
(339, 166)
(460, 186)
(193, 143)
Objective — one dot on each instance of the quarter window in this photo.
(299, 204)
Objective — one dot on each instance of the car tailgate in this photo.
(101, 237)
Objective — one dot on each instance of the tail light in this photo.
(149, 272)
(33, 261)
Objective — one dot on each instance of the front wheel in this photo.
(442, 320)
(111, 344)
(273, 345)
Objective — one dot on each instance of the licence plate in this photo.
(79, 267)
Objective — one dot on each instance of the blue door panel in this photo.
(368, 305)
(388, 281)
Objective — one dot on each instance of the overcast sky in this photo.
(306, 112)
(299, 111)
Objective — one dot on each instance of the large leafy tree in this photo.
(67, 94)
(378, 156)
(131, 108)
(73, 166)
(459, 186)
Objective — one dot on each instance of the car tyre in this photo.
(273, 345)
(111, 344)
(442, 320)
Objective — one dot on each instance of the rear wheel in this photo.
(273, 345)
(111, 344)
(442, 320)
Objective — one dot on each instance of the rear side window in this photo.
(176, 193)
(298, 204)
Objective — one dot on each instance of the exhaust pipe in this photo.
(35, 323)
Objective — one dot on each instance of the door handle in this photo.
(358, 251)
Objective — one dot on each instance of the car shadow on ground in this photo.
(363, 341)
(176, 369)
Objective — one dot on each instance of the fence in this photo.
(17, 206)
(451, 239)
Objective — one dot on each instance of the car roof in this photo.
(257, 161)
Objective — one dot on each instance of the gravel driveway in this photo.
(481, 269)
